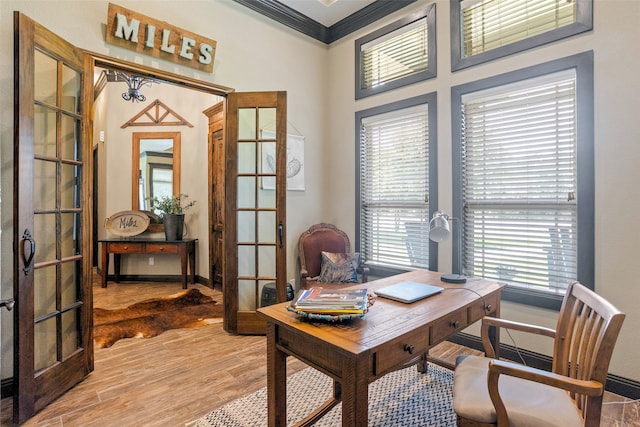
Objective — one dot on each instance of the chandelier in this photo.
(134, 84)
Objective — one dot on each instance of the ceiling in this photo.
(327, 12)
(325, 20)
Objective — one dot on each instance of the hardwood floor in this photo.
(179, 376)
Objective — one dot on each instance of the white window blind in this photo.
(395, 55)
(490, 24)
(394, 183)
(519, 168)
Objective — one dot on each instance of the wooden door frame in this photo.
(103, 61)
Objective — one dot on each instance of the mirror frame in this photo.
(135, 162)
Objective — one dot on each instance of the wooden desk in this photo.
(185, 248)
(357, 352)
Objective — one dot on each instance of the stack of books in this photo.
(331, 301)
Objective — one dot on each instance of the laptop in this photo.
(408, 292)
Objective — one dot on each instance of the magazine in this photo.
(320, 300)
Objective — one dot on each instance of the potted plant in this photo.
(172, 209)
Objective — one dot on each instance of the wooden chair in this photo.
(318, 238)
(489, 392)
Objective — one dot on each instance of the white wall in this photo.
(617, 151)
(253, 54)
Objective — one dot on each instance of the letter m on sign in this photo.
(127, 31)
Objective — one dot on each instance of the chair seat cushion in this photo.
(339, 267)
(529, 404)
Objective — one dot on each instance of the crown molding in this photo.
(285, 15)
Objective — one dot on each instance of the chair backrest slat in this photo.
(586, 333)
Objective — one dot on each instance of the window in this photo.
(397, 55)
(396, 184)
(523, 168)
(483, 30)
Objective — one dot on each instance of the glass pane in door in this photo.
(44, 226)
(71, 85)
(70, 332)
(69, 278)
(247, 124)
(44, 185)
(46, 85)
(44, 138)
(45, 291)
(256, 227)
(70, 245)
(247, 157)
(57, 227)
(70, 129)
(44, 350)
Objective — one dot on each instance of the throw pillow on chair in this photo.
(339, 267)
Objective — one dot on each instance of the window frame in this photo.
(430, 72)
(583, 65)
(584, 22)
(430, 100)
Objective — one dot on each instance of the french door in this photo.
(255, 206)
(53, 344)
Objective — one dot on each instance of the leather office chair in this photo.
(490, 392)
(318, 238)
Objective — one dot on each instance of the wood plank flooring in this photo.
(179, 376)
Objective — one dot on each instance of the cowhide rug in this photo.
(186, 309)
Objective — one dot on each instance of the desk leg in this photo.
(276, 380)
(105, 264)
(494, 334)
(355, 396)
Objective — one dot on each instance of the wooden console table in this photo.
(185, 248)
(357, 352)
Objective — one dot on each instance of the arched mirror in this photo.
(156, 167)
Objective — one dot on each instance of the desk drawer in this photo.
(124, 248)
(298, 344)
(477, 311)
(448, 326)
(401, 350)
(162, 248)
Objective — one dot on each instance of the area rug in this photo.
(401, 398)
(148, 318)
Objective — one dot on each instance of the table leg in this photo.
(116, 266)
(105, 264)
(276, 380)
(192, 263)
(183, 265)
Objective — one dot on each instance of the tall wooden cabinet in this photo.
(217, 194)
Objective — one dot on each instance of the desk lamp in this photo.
(439, 231)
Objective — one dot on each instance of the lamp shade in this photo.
(438, 231)
(439, 227)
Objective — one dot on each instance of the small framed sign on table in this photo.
(127, 223)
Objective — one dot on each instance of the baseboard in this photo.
(615, 384)
(158, 278)
(6, 388)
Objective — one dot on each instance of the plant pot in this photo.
(173, 226)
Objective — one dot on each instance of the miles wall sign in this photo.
(142, 34)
